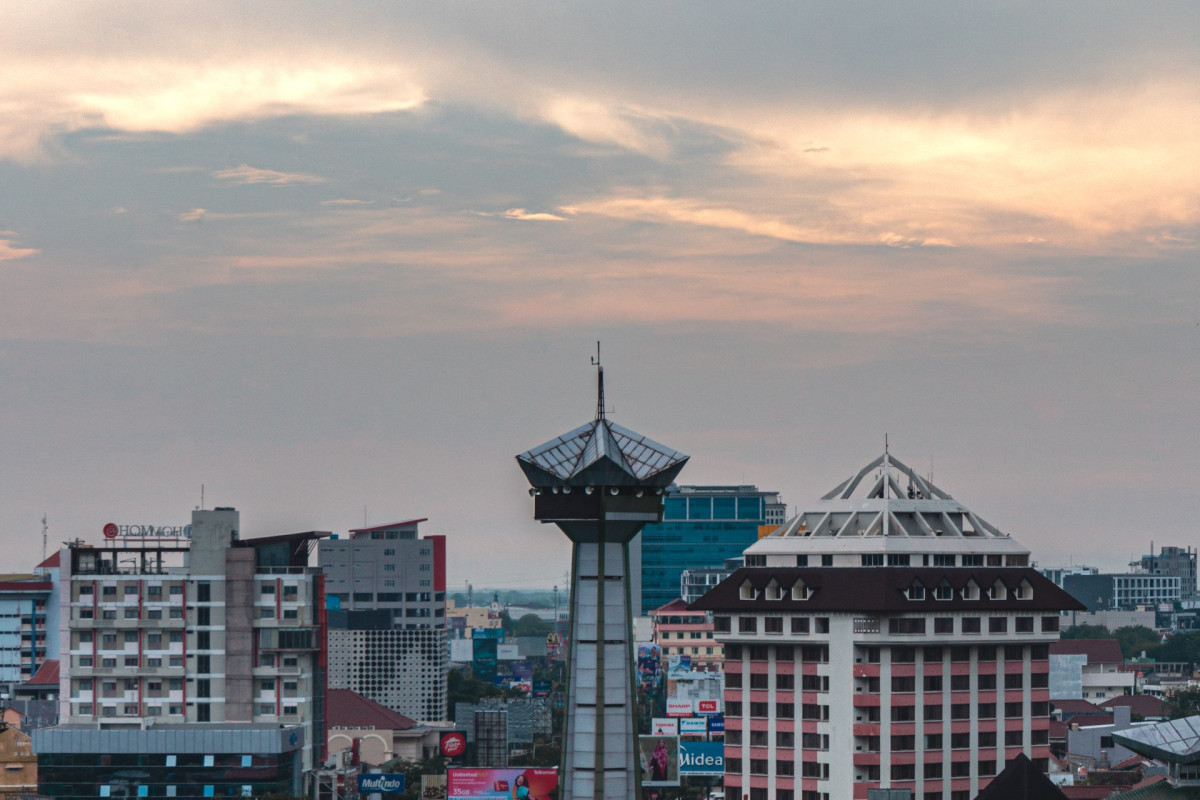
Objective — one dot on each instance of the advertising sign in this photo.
(483, 664)
(453, 744)
(692, 726)
(679, 663)
(487, 633)
(701, 758)
(541, 688)
(660, 726)
(508, 652)
(502, 784)
(649, 665)
(659, 757)
(696, 688)
(113, 531)
(679, 708)
(523, 671)
(381, 783)
(716, 723)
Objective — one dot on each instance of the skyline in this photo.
(324, 259)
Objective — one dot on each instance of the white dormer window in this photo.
(943, 591)
(971, 590)
(773, 591)
(1024, 591)
(748, 592)
(998, 591)
(915, 591)
(800, 591)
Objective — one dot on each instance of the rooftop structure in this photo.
(600, 483)
(887, 514)
(1176, 742)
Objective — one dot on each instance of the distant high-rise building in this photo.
(387, 639)
(193, 661)
(1177, 562)
(702, 526)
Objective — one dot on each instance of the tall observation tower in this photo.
(600, 483)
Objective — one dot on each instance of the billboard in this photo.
(461, 650)
(700, 691)
(649, 665)
(664, 727)
(502, 784)
(380, 783)
(507, 652)
(679, 708)
(701, 758)
(679, 663)
(483, 665)
(488, 633)
(692, 726)
(659, 757)
(716, 723)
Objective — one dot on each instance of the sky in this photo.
(341, 263)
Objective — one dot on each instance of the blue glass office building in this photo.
(702, 526)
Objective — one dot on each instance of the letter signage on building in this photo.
(453, 744)
(114, 531)
(692, 726)
(378, 783)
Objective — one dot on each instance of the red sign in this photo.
(453, 744)
(111, 531)
(706, 706)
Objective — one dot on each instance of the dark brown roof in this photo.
(882, 589)
(51, 562)
(1021, 780)
(390, 526)
(1146, 705)
(1098, 651)
(1076, 706)
(349, 709)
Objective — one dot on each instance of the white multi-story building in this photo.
(197, 633)
(889, 638)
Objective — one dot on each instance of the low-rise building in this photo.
(683, 632)
(1088, 669)
(381, 734)
(18, 764)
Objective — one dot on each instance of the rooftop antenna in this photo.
(599, 383)
(45, 530)
(202, 497)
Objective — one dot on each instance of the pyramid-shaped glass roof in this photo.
(601, 453)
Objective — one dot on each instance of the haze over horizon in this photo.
(325, 259)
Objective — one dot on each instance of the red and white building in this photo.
(889, 639)
(681, 631)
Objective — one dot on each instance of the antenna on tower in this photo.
(599, 383)
(45, 531)
(202, 497)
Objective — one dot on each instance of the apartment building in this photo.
(194, 664)
(889, 638)
(682, 631)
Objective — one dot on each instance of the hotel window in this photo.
(987, 738)
(872, 559)
(933, 683)
(773, 625)
(998, 625)
(897, 559)
(1049, 624)
(759, 681)
(971, 625)
(987, 710)
(987, 683)
(799, 624)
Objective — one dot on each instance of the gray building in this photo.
(388, 567)
(1122, 591)
(1178, 562)
(386, 587)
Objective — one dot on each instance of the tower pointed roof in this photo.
(601, 453)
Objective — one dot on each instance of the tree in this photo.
(1134, 639)
(1086, 632)
(532, 625)
(1183, 703)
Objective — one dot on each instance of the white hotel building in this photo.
(889, 638)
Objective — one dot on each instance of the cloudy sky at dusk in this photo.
(343, 262)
